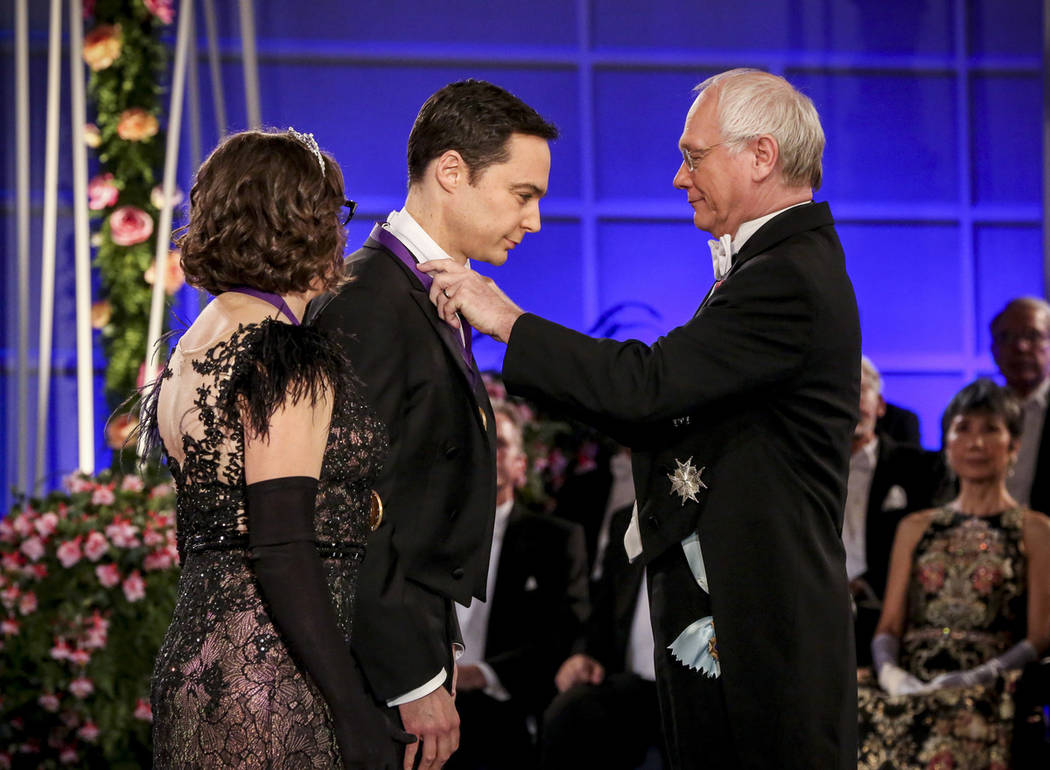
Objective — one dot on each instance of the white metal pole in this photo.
(251, 64)
(85, 353)
(22, 227)
(48, 241)
(215, 64)
(171, 164)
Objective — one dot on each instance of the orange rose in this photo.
(136, 124)
(102, 46)
(101, 312)
(174, 278)
(119, 429)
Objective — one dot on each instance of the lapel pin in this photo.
(685, 481)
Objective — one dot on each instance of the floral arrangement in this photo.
(123, 50)
(87, 587)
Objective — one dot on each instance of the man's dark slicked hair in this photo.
(474, 118)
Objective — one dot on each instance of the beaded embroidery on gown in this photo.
(966, 604)
(225, 692)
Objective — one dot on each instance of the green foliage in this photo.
(130, 81)
(88, 580)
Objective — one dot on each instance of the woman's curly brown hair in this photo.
(263, 215)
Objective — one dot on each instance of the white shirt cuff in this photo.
(632, 539)
(419, 692)
(493, 688)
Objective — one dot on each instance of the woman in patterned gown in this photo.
(273, 453)
(967, 605)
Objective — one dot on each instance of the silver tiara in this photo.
(308, 141)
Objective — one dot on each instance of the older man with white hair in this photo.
(739, 423)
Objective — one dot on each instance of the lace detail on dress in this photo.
(225, 691)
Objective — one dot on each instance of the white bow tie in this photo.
(721, 255)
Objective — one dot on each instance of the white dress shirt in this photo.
(424, 248)
(474, 620)
(1019, 484)
(858, 487)
(640, 644)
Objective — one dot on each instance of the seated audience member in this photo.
(967, 605)
(590, 495)
(607, 714)
(537, 605)
(887, 479)
(1021, 348)
(900, 424)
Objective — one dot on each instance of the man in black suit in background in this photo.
(887, 480)
(739, 424)
(1021, 348)
(537, 605)
(606, 713)
(478, 164)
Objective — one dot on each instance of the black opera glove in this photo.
(286, 563)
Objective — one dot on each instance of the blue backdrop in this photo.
(932, 110)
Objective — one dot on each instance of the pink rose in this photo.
(68, 756)
(77, 482)
(161, 490)
(108, 575)
(80, 657)
(89, 732)
(94, 639)
(9, 627)
(61, 650)
(33, 548)
(23, 525)
(38, 571)
(132, 483)
(9, 596)
(27, 604)
(7, 531)
(122, 533)
(96, 546)
(130, 225)
(156, 197)
(134, 587)
(12, 561)
(46, 524)
(156, 561)
(102, 193)
(69, 552)
(81, 687)
(143, 710)
(48, 702)
(161, 9)
(152, 537)
(103, 495)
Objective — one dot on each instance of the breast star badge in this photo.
(685, 481)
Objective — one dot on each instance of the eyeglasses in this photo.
(351, 207)
(693, 158)
(1031, 336)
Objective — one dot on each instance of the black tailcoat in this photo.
(438, 485)
(760, 390)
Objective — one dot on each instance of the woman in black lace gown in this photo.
(967, 605)
(273, 452)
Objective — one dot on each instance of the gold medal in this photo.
(375, 515)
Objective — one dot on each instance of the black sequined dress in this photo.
(226, 692)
